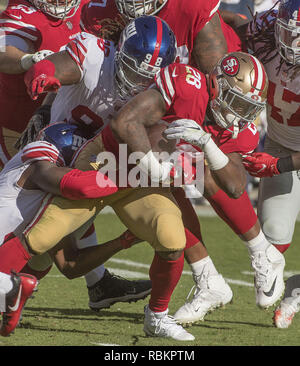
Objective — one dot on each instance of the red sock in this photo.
(164, 275)
(282, 247)
(191, 240)
(237, 213)
(37, 274)
(12, 255)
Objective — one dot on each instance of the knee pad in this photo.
(278, 231)
(170, 233)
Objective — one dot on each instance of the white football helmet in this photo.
(60, 9)
(135, 8)
(238, 87)
(287, 31)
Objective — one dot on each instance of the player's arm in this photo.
(226, 169)
(52, 72)
(10, 59)
(73, 262)
(210, 45)
(261, 164)
(69, 183)
(131, 122)
(238, 22)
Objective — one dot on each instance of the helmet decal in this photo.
(230, 65)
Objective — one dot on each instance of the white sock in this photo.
(204, 266)
(259, 243)
(5, 286)
(96, 274)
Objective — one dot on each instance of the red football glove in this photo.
(183, 170)
(40, 79)
(261, 165)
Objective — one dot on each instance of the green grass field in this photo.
(59, 314)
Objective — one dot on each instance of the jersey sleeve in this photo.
(184, 91)
(42, 150)
(204, 9)
(21, 21)
(88, 52)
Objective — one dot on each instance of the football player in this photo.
(274, 37)
(30, 30)
(39, 171)
(203, 45)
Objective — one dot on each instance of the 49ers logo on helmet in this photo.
(230, 65)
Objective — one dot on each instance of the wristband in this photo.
(77, 185)
(26, 61)
(215, 158)
(285, 164)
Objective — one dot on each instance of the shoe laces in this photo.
(261, 266)
(291, 305)
(201, 290)
(165, 323)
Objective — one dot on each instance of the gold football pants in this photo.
(150, 213)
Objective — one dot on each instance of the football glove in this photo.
(40, 79)
(38, 121)
(189, 131)
(261, 164)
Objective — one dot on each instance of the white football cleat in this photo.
(268, 276)
(165, 326)
(211, 292)
(290, 305)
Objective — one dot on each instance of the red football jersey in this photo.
(185, 93)
(194, 13)
(23, 20)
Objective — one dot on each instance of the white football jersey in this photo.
(93, 100)
(283, 106)
(18, 206)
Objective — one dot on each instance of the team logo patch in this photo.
(230, 65)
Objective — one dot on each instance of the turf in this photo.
(59, 314)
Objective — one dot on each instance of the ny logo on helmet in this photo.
(77, 141)
(230, 65)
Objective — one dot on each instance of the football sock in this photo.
(237, 213)
(13, 255)
(164, 275)
(204, 266)
(281, 247)
(259, 243)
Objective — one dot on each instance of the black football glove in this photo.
(38, 121)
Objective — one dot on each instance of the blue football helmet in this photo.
(66, 137)
(135, 8)
(146, 45)
(287, 31)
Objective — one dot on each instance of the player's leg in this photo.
(279, 202)
(104, 288)
(211, 290)
(152, 215)
(267, 262)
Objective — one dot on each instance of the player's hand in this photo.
(42, 84)
(189, 131)
(261, 164)
(38, 121)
